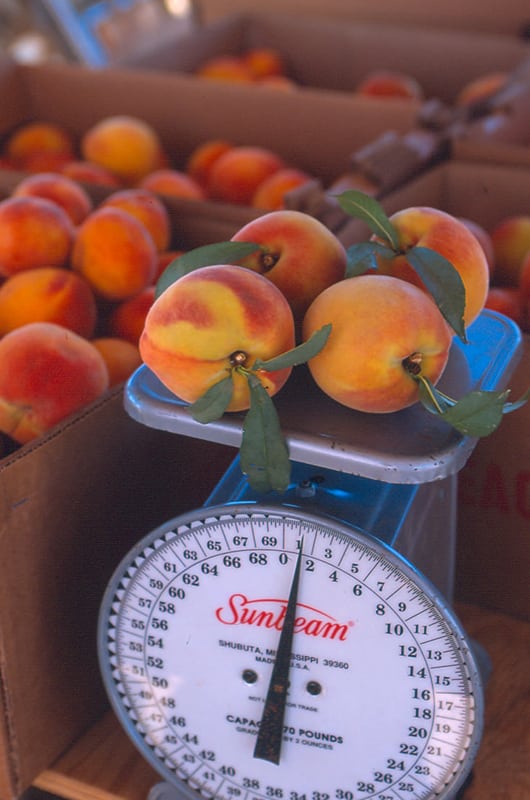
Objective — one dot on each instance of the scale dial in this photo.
(384, 696)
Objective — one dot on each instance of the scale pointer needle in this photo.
(269, 741)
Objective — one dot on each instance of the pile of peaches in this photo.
(266, 66)
(124, 151)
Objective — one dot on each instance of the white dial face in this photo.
(382, 698)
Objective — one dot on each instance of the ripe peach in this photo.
(115, 253)
(511, 243)
(148, 209)
(226, 68)
(127, 319)
(121, 357)
(271, 192)
(48, 294)
(264, 62)
(172, 182)
(68, 194)
(484, 238)
(201, 159)
(481, 88)
(236, 175)
(213, 322)
(383, 329)
(506, 300)
(39, 138)
(86, 172)
(126, 146)
(390, 83)
(33, 233)
(47, 372)
(437, 230)
(297, 253)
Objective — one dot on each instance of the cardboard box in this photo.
(327, 54)
(316, 131)
(451, 14)
(493, 541)
(72, 503)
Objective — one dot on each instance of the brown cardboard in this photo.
(315, 131)
(493, 542)
(71, 503)
(472, 15)
(330, 55)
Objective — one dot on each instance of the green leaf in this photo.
(212, 404)
(298, 355)
(205, 256)
(431, 398)
(444, 284)
(509, 407)
(263, 453)
(363, 257)
(478, 413)
(360, 205)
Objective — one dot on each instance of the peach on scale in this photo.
(422, 226)
(297, 253)
(47, 373)
(215, 322)
(384, 330)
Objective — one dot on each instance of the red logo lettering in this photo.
(269, 612)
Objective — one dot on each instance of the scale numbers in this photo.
(384, 697)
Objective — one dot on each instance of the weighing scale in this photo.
(291, 646)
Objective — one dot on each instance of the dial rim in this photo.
(195, 521)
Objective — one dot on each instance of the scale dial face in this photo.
(384, 697)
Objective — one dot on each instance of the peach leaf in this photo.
(213, 403)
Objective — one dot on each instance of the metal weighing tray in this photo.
(410, 446)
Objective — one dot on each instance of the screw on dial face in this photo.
(269, 740)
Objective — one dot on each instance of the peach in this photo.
(33, 233)
(121, 357)
(484, 238)
(47, 373)
(86, 172)
(39, 138)
(384, 330)
(68, 194)
(126, 146)
(511, 243)
(226, 68)
(48, 294)
(297, 253)
(201, 159)
(264, 62)
(115, 253)
(437, 230)
(214, 322)
(270, 194)
(174, 183)
(236, 175)
(506, 300)
(481, 88)
(148, 209)
(127, 319)
(390, 83)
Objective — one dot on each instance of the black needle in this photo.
(269, 741)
